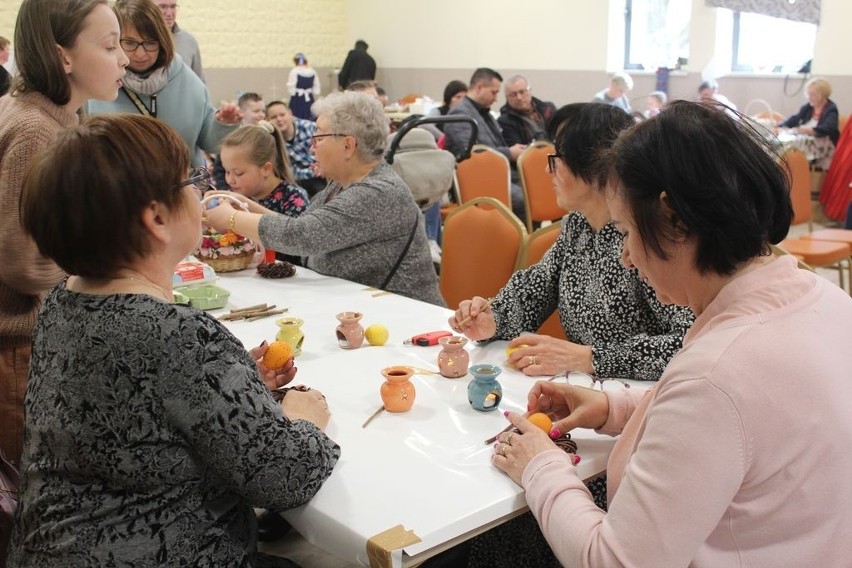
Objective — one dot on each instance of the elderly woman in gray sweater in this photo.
(364, 226)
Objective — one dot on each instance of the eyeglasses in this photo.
(551, 162)
(200, 179)
(316, 137)
(131, 45)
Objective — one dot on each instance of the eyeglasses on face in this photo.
(131, 45)
(200, 179)
(551, 162)
(316, 137)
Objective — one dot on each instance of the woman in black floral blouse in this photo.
(615, 325)
(150, 434)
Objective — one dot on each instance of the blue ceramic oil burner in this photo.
(484, 392)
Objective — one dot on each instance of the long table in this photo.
(409, 485)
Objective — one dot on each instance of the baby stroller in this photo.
(426, 169)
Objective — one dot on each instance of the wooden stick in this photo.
(484, 307)
(261, 315)
(248, 315)
(251, 308)
(373, 415)
(493, 438)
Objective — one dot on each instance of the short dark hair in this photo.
(361, 44)
(124, 162)
(41, 26)
(275, 102)
(249, 97)
(148, 20)
(4, 42)
(580, 131)
(484, 75)
(723, 179)
(452, 89)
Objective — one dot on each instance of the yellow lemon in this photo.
(510, 350)
(376, 334)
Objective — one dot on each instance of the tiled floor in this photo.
(297, 549)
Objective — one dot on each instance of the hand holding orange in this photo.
(277, 355)
(541, 420)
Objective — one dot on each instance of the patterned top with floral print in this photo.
(290, 200)
(150, 437)
(600, 303)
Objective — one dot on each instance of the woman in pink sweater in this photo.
(739, 455)
(66, 53)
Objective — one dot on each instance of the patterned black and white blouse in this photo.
(600, 303)
(149, 438)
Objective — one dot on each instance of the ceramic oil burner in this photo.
(350, 333)
(290, 332)
(484, 392)
(453, 359)
(398, 391)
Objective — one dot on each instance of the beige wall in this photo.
(565, 47)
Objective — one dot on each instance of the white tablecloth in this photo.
(427, 469)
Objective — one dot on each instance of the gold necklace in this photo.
(146, 282)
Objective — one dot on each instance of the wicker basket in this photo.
(230, 263)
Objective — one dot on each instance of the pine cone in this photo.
(277, 269)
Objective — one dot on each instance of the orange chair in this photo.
(813, 252)
(481, 246)
(539, 197)
(485, 174)
(538, 243)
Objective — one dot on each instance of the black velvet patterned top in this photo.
(600, 303)
(149, 438)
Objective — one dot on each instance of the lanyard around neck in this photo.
(140, 106)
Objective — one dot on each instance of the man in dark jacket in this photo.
(359, 65)
(483, 91)
(524, 118)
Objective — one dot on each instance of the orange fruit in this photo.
(277, 355)
(541, 420)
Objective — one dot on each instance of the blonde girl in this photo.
(256, 166)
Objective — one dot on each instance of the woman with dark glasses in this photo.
(160, 84)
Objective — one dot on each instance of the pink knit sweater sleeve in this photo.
(649, 523)
(622, 403)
